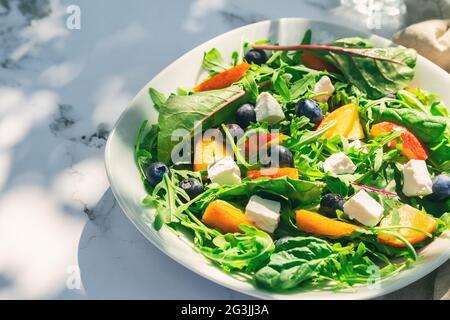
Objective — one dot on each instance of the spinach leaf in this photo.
(297, 191)
(375, 71)
(213, 62)
(187, 112)
(429, 129)
(293, 262)
(353, 42)
(379, 72)
(299, 259)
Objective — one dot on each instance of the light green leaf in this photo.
(213, 62)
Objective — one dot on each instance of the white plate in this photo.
(186, 72)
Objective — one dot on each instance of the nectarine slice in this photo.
(273, 173)
(408, 217)
(206, 152)
(224, 79)
(315, 223)
(347, 125)
(225, 217)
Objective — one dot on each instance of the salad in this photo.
(304, 166)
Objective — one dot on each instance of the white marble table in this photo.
(62, 235)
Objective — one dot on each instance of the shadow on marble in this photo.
(117, 262)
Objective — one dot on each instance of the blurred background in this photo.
(64, 83)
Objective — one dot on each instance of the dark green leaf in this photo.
(295, 261)
(379, 72)
(429, 129)
(186, 112)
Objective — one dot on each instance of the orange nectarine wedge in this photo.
(347, 124)
(224, 79)
(225, 217)
(315, 223)
(408, 217)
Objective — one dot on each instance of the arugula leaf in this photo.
(302, 86)
(238, 251)
(438, 109)
(213, 62)
(280, 85)
(250, 86)
(307, 38)
(187, 112)
(446, 219)
(440, 154)
(340, 184)
(157, 97)
(165, 198)
(145, 148)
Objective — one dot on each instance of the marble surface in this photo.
(62, 234)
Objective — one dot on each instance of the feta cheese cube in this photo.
(325, 88)
(364, 209)
(339, 163)
(359, 145)
(264, 213)
(268, 109)
(416, 179)
(224, 171)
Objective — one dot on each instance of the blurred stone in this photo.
(421, 10)
(422, 289)
(32, 9)
(442, 283)
(430, 38)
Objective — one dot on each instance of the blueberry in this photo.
(235, 131)
(441, 187)
(256, 56)
(330, 203)
(280, 157)
(310, 109)
(245, 115)
(155, 173)
(193, 187)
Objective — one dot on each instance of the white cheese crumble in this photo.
(264, 213)
(364, 209)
